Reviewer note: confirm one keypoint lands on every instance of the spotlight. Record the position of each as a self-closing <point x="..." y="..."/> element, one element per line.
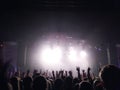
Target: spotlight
<point x="51" y="55"/>
<point x="46" y="54"/>
<point x="83" y="54"/>
<point x="72" y="54"/>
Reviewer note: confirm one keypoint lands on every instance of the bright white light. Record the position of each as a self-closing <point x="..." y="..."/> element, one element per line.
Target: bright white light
<point x="72" y="54"/>
<point x="51" y="55"/>
<point x="46" y="54"/>
<point x="54" y="57"/>
<point x="83" y="54"/>
<point x="57" y="53"/>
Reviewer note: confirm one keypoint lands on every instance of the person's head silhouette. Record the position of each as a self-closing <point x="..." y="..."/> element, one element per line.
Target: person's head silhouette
<point x="110" y="75"/>
<point x="39" y="83"/>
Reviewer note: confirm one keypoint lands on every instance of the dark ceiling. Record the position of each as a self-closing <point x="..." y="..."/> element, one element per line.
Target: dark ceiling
<point x="86" y="19"/>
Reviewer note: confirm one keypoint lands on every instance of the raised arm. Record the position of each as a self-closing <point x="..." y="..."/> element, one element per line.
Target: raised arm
<point x="70" y="74"/>
<point x="78" y="71"/>
<point x="53" y="74"/>
<point x="89" y="75"/>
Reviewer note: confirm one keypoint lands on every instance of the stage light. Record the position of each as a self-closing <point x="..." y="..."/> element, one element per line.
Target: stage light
<point x="51" y="55"/>
<point x="55" y="56"/>
<point x="46" y="54"/>
<point x="83" y="54"/>
<point x="57" y="53"/>
<point x="72" y="53"/>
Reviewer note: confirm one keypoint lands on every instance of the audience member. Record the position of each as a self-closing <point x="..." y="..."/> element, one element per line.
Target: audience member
<point x="39" y="83"/>
<point x="110" y="75"/>
<point x="109" y="79"/>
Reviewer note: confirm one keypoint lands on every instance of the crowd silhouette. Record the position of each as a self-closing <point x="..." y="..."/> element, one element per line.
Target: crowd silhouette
<point x="108" y="78"/>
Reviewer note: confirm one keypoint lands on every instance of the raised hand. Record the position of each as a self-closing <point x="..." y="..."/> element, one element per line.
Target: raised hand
<point x="66" y="73"/>
<point x="78" y="69"/>
<point x="83" y="71"/>
<point x="53" y="72"/>
<point x="88" y="75"/>
<point x="70" y="74"/>
<point x="89" y="68"/>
